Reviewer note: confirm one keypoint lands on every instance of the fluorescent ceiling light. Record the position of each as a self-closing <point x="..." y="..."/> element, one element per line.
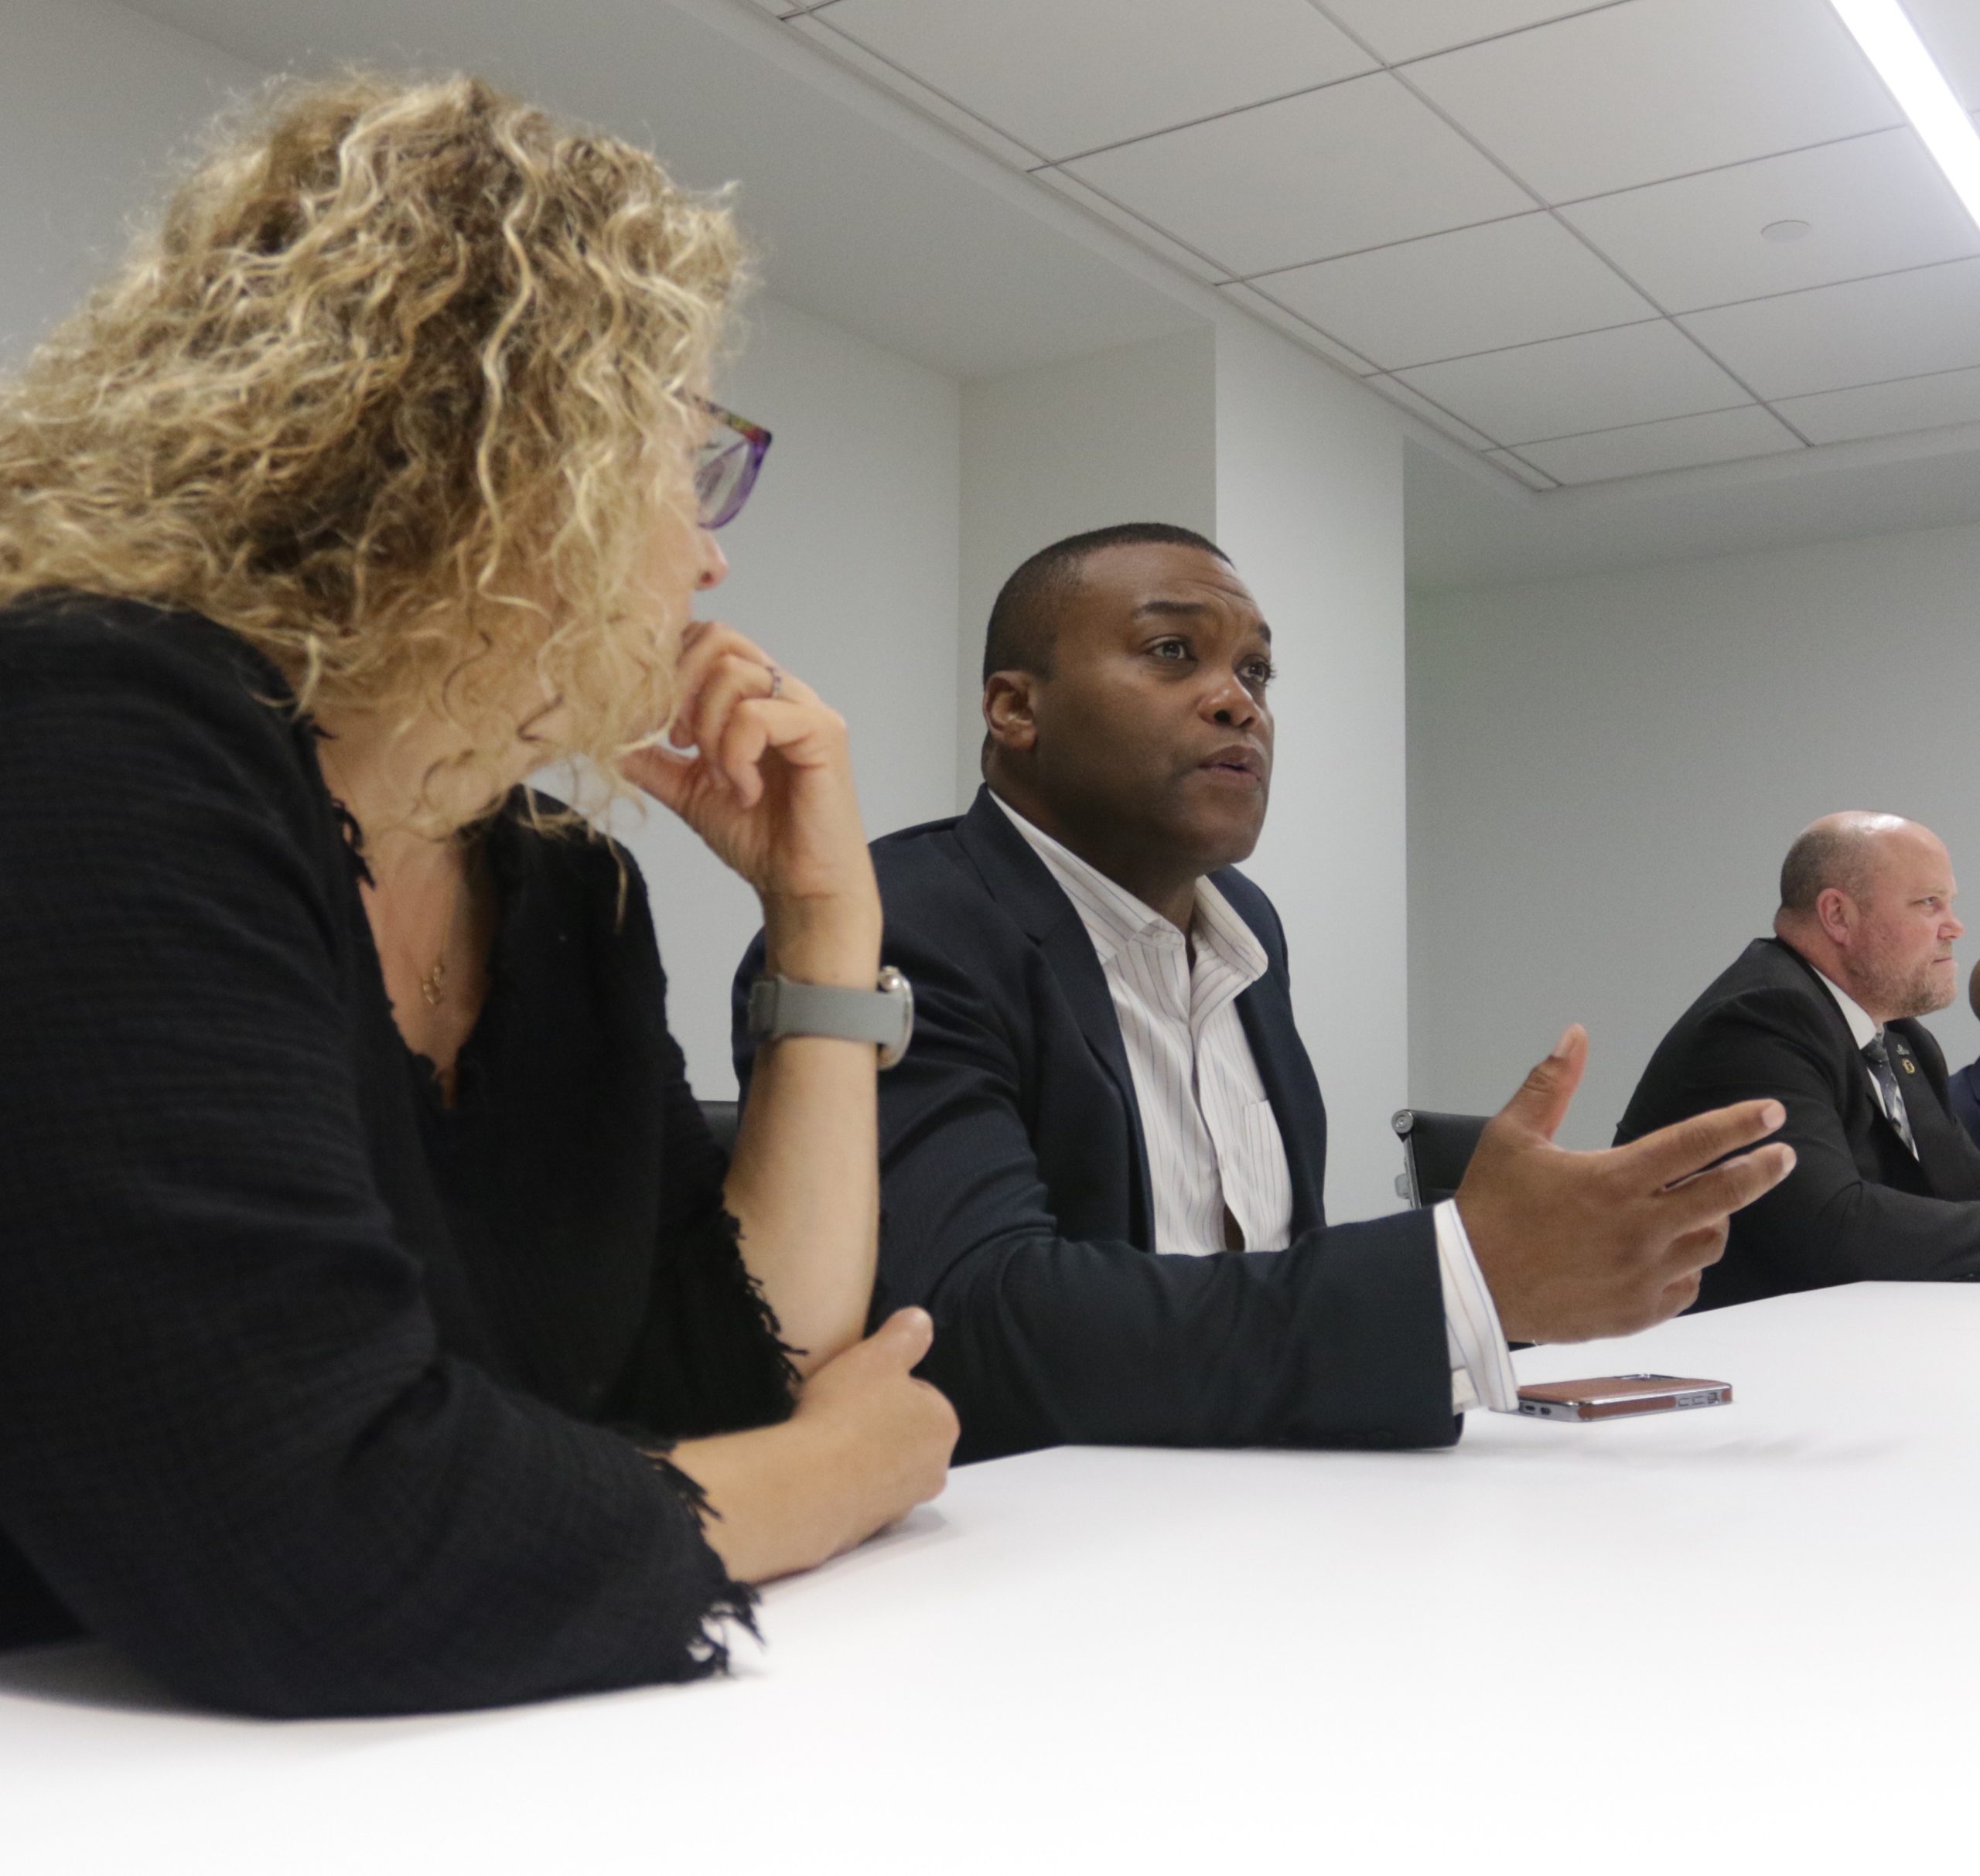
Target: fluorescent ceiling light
<point x="1893" y="45"/>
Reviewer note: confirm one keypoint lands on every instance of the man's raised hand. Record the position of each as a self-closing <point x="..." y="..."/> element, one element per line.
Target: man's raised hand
<point x="1575" y="1246"/>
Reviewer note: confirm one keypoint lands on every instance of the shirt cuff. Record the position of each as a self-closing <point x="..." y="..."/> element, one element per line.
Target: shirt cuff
<point x="1481" y="1365"/>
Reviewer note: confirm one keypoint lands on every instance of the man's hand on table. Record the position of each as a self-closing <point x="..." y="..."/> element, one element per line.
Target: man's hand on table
<point x="1578" y="1245"/>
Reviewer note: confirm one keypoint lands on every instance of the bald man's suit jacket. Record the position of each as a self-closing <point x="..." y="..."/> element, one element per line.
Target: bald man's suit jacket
<point x="1857" y="1204"/>
<point x="1016" y="1207"/>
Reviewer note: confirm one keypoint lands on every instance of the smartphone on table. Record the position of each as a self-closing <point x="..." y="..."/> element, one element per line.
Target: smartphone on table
<point x="1610" y="1396"/>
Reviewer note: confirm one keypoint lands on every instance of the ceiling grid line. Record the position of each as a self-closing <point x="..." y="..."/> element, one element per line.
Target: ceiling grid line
<point x="1509" y="450"/>
<point x="1525" y="192"/>
<point x="1484" y="39"/>
<point x="1676" y="313"/>
<point x="1574" y="436"/>
<point x="1258" y="104"/>
<point x="1424" y="397"/>
<point x="1743" y="162"/>
<point x="954" y="103"/>
<point x="1209" y="116"/>
<point x="1376" y="247"/>
<point x="1540" y="206"/>
<point x="1560" y="221"/>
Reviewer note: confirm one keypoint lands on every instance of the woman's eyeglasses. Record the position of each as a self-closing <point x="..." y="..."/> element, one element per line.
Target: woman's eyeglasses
<point x="726" y="470"/>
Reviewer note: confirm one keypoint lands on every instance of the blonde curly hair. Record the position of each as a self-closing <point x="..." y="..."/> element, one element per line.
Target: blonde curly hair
<point x="399" y="389"/>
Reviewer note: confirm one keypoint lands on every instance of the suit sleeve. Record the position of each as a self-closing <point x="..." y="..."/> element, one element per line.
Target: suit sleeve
<point x="228" y="1441"/>
<point x="1825" y="1223"/>
<point x="1042" y="1340"/>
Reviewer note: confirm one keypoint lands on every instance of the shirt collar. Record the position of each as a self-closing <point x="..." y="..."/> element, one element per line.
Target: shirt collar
<point x="1864" y="1029"/>
<point x="1114" y="918"/>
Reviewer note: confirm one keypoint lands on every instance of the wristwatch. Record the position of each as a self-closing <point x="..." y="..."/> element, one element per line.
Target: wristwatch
<point x="883" y="1015"/>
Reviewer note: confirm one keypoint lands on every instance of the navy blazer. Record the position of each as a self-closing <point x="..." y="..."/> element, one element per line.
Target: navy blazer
<point x="1963" y="1097"/>
<point x="1858" y="1204"/>
<point x="1016" y="1206"/>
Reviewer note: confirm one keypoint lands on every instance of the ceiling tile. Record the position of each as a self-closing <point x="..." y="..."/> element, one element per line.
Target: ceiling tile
<point x="1592" y="381"/>
<point x="1064" y="75"/>
<point x="1951" y="29"/>
<point x="1063" y="182"/>
<point x="1863" y="332"/>
<point x="817" y="28"/>
<point x="1678" y="442"/>
<point x="1520" y="471"/>
<point x="1659" y="88"/>
<point x="1886" y="410"/>
<point x="1353" y="166"/>
<point x="1400" y="30"/>
<point x="1873" y="205"/>
<point x="1294" y="327"/>
<point x="1505" y="283"/>
<point x="1417" y="405"/>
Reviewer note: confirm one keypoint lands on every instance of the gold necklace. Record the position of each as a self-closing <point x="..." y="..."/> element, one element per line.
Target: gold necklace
<point x="433" y="983"/>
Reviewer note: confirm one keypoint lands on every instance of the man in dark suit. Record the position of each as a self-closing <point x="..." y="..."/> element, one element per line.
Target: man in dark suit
<point x="1963" y="1089"/>
<point x="1822" y="1017"/>
<point x="1104" y="1068"/>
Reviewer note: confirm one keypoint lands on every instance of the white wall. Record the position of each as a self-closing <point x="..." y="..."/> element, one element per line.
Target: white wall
<point x="1604" y="773"/>
<point x="844" y="562"/>
<point x="844" y="569"/>
<point x="893" y="504"/>
<point x="1123" y="434"/>
<point x="95" y="102"/>
<point x="1309" y="506"/>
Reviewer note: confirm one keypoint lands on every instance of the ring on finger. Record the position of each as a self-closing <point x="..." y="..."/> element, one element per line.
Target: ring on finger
<point x="776" y="681"/>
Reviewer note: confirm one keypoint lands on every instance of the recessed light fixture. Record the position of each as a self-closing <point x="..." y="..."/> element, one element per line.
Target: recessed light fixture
<point x="1892" y="44"/>
<point x="1784" y="230"/>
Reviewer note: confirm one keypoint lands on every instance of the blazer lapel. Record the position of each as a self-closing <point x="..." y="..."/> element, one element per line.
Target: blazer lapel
<point x="1862" y="1092"/>
<point x="1947" y="1164"/>
<point x="1946" y="1156"/>
<point x="1021" y="884"/>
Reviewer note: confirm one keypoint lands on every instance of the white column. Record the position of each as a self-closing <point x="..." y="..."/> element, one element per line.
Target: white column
<point x="1309" y="509"/>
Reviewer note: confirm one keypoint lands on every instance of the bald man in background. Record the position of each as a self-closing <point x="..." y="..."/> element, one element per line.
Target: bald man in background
<point x="1822" y="1017"/>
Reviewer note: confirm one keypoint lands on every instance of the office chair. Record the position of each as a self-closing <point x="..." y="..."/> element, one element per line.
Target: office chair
<point x="720" y="1117"/>
<point x="1437" y="1148"/>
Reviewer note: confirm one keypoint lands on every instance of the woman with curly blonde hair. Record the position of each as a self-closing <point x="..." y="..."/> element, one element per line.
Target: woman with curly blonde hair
<point x="381" y="1327"/>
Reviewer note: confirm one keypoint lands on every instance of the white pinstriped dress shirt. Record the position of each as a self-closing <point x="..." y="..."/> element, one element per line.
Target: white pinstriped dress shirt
<point x="1211" y="1137"/>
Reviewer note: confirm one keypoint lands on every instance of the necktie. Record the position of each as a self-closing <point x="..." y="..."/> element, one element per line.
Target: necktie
<point x="1878" y="1057"/>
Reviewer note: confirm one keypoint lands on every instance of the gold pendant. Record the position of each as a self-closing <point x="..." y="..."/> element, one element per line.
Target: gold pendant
<point x="432" y="984"/>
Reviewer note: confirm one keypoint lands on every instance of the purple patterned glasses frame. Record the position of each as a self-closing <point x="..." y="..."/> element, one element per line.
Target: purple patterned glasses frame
<point x="726" y="468"/>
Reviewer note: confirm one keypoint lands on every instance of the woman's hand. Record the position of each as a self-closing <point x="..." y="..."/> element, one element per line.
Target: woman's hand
<point x="769" y="788"/>
<point x="867" y="1443"/>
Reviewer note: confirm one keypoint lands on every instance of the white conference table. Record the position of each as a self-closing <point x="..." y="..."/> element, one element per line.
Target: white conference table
<point x="1742" y="1636"/>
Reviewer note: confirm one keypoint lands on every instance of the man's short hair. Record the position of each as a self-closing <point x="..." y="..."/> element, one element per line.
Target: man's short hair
<point x="1822" y="857"/>
<point x="1025" y="620"/>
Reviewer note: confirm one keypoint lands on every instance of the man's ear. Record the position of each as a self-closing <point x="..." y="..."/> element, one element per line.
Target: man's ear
<point x="1008" y="700"/>
<point x="1835" y="914"/>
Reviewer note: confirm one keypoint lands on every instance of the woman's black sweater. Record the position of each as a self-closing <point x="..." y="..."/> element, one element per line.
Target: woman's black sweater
<point x="316" y="1395"/>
